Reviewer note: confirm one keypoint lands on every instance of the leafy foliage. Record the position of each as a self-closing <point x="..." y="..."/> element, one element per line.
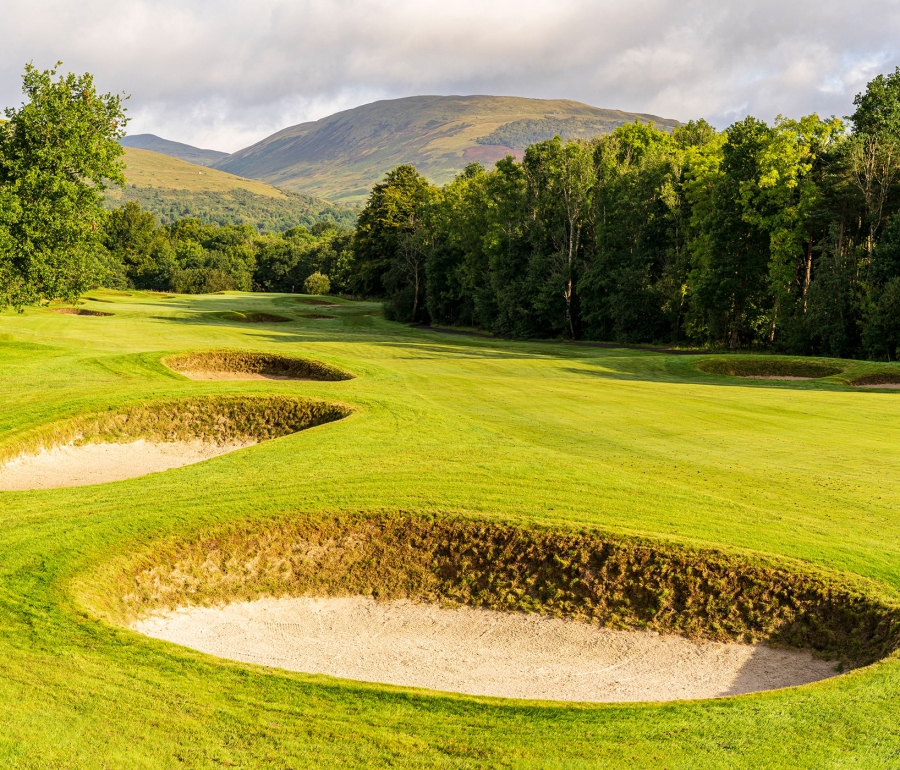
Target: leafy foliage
<point x="190" y="257"/>
<point x="58" y="153"/>
<point x="781" y="237"/>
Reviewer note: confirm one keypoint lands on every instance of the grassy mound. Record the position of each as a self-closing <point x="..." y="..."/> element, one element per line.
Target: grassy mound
<point x="580" y="575"/>
<point x="268" y="364"/>
<point x="767" y="366"/>
<point x="218" y="419"/>
<point x="252" y="317"/>
<point x="78" y="311"/>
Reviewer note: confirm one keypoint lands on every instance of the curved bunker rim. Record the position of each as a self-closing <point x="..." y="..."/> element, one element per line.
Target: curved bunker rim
<point x="584" y="575"/>
<point x="216" y="419"/>
<point x="254" y="364"/>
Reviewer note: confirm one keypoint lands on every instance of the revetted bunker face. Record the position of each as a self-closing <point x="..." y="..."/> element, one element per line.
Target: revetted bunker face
<point x="768" y="367"/>
<point x="584" y="576"/>
<point x="878" y="380"/>
<point x="78" y="311"/>
<point x="264" y="365"/>
<point x="253" y="317"/>
<point x="122" y="444"/>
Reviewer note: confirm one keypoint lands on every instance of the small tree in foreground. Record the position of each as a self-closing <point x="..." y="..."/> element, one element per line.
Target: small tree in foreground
<point x="58" y="153"/>
<point x="317" y="284"/>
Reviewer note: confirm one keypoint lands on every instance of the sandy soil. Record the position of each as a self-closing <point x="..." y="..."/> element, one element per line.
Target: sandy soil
<point x="883" y="386"/>
<point x="479" y="652"/>
<point x="75" y="466"/>
<point x="233" y="376"/>
<point x="772" y="377"/>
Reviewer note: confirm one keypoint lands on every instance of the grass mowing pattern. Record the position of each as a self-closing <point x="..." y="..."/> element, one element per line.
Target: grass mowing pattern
<point x="768" y="366"/>
<point x="217" y="419"/>
<point x="615" y="582"/>
<point x="803" y="474"/>
<point x="248" y="362"/>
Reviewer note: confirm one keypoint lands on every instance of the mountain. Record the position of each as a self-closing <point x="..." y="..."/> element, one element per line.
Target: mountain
<point x="173" y="189"/>
<point x="175" y="149"/>
<point x="340" y="157"/>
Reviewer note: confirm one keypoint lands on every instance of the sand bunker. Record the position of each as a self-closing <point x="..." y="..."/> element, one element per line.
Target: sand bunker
<point x="76" y="466"/>
<point x="480" y="652"/>
<point x="248" y="365"/>
<point x="78" y="311"/>
<point x="772" y="377"/>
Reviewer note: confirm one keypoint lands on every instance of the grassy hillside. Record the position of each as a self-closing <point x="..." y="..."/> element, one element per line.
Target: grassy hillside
<point x="175" y="149"/>
<point x="173" y="189"/>
<point x="340" y="157"/>
<point x="630" y="444"/>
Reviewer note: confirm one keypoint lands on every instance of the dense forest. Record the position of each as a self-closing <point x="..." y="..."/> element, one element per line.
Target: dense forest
<point x="190" y="257"/>
<point x="783" y="236"/>
<point x="236" y="207"/>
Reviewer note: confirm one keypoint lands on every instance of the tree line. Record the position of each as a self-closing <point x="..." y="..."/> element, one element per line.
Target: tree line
<point x="190" y="257"/>
<point x="782" y="236"/>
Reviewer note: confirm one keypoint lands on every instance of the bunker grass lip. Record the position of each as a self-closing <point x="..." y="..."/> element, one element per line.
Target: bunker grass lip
<point x="202" y="426"/>
<point x="247" y="362"/>
<point x="615" y="582"/>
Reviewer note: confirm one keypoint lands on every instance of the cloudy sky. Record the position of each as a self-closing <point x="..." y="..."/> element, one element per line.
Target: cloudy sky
<point x="224" y="73"/>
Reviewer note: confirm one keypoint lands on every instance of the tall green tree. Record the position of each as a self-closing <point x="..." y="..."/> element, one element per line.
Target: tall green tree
<point x="58" y="153"/>
<point x="387" y="232"/>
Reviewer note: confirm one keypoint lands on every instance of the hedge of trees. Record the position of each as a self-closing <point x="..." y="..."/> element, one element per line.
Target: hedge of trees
<point x="190" y="257"/>
<point x="783" y="236"/>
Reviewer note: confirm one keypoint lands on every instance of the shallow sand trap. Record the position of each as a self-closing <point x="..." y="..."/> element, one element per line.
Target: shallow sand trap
<point x="480" y="652"/>
<point x="75" y="466"/>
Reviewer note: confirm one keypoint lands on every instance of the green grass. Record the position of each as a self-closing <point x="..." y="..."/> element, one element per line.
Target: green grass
<point x="627" y="443"/>
<point x="173" y="189"/>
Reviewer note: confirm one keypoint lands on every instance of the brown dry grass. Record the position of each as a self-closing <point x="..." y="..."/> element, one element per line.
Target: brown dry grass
<point x="268" y="364"/>
<point x="217" y="419"/>
<point x="583" y="575"/>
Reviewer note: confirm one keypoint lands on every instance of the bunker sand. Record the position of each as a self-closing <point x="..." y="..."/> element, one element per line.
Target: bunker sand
<point x="75" y="466"/>
<point x="479" y="652"/>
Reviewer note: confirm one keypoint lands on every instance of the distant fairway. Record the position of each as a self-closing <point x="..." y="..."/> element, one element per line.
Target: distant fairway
<point x="800" y="474"/>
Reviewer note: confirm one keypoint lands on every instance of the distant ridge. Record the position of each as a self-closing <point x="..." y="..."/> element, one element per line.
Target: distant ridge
<point x="172" y="189"/>
<point x="175" y="149"/>
<point x="342" y="156"/>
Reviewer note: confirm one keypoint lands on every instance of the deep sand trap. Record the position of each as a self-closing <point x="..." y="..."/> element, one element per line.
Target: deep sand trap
<point x="773" y="377"/>
<point x="75" y="466"/>
<point x="480" y="652"/>
<point x="234" y="376"/>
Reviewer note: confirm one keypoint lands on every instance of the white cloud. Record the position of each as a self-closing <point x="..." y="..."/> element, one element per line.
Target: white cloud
<point x="223" y="73"/>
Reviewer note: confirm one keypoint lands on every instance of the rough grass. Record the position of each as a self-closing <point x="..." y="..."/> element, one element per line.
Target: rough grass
<point x="617" y="582"/>
<point x="245" y="361"/>
<point x="878" y="378"/>
<point x="567" y="439"/>
<point x="768" y="366"/>
<point x="217" y="419"/>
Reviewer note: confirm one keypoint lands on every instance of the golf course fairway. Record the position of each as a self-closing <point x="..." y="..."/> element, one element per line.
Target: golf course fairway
<point x="423" y="437"/>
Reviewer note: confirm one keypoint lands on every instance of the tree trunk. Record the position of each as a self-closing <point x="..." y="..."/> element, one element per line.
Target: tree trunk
<point x="808" y="271"/>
